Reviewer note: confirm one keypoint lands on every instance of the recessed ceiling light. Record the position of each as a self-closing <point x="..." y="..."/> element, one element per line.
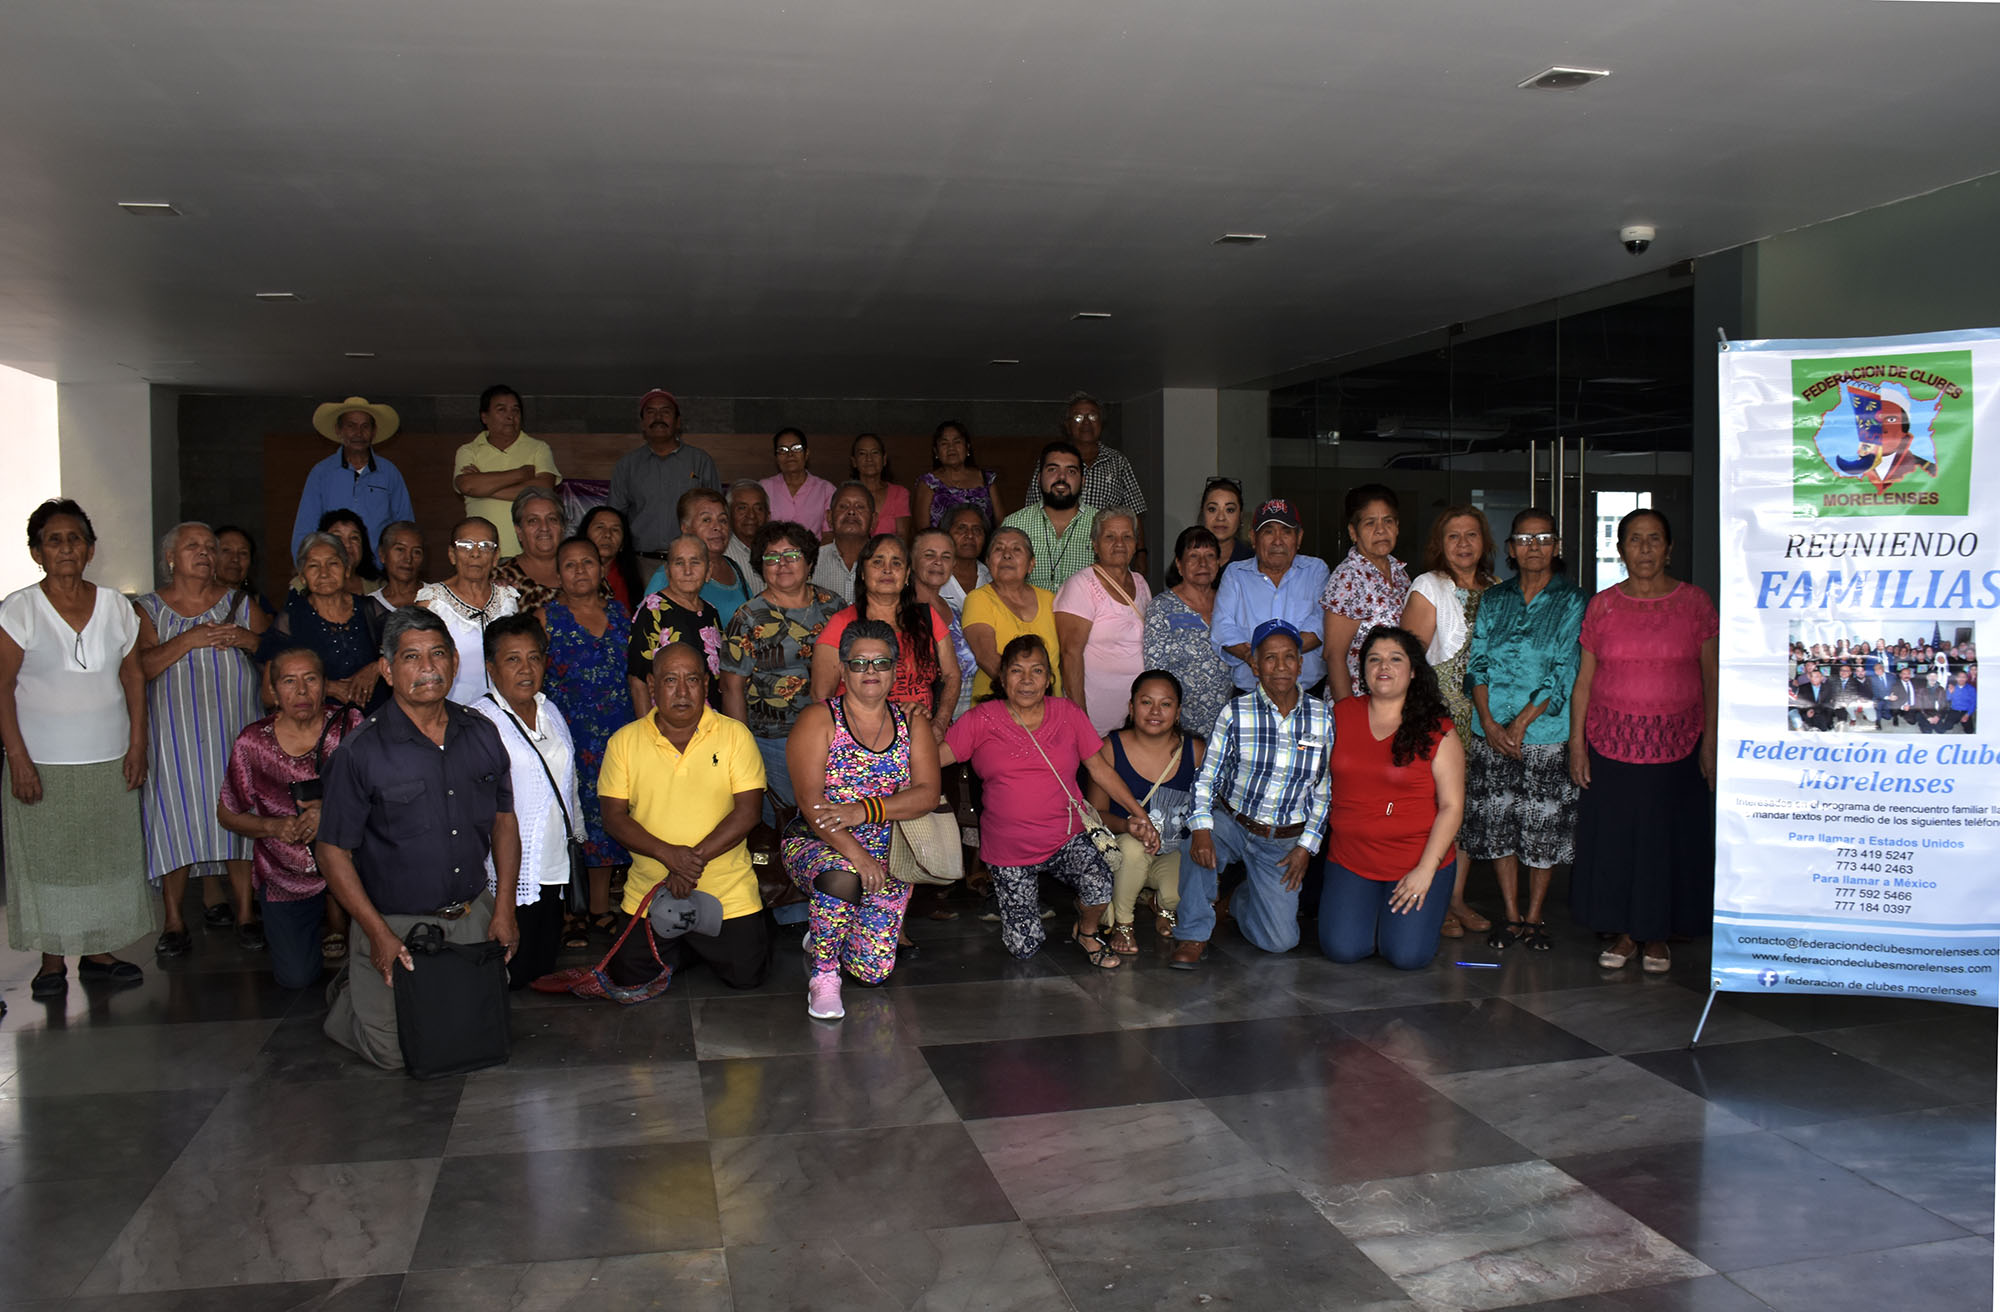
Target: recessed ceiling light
<point x="278" y="296"/>
<point x="360" y="355"/>
<point x="1091" y="314"/>
<point x="1003" y="362"/>
<point x="1560" y="78"/>
<point x="149" y="209"/>
<point x="1239" y="239"/>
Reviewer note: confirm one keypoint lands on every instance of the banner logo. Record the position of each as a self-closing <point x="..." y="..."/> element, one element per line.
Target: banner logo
<point x="1882" y="435"/>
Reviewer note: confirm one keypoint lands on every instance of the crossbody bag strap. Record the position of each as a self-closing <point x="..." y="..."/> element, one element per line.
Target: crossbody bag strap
<point x="568" y="831"/>
<point x="1075" y="807"/>
<point x="1172" y="765"/>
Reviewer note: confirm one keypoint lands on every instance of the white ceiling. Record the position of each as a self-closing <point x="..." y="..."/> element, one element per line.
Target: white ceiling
<point x="876" y="197"/>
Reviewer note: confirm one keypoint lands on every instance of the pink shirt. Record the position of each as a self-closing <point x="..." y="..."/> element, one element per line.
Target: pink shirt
<point x="1114" y="654"/>
<point x="1645" y="696"/>
<point x="1027" y="805"/>
<point x="895" y="506"/>
<point x="808" y="507"/>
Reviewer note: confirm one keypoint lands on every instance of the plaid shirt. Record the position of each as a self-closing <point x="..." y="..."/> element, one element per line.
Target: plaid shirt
<point x="1268" y="767"/>
<point x="1108" y="481"/>
<point x="1057" y="555"/>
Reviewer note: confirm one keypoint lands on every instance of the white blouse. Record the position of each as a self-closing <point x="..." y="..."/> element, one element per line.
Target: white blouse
<point x="1441" y="591"/>
<point x="544" y="840"/>
<point x="468" y="633"/>
<point x="67" y="696"/>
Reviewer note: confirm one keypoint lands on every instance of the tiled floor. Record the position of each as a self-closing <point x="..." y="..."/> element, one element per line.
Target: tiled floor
<point x="1269" y="1133"/>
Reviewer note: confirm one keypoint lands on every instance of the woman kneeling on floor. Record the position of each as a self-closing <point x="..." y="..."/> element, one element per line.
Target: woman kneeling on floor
<point x="1157" y="759"/>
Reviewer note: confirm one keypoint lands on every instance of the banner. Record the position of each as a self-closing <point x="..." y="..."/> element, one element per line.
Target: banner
<point x="1857" y="783"/>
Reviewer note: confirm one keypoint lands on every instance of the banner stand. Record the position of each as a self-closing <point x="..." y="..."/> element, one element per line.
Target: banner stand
<point x="1714" y="987"/>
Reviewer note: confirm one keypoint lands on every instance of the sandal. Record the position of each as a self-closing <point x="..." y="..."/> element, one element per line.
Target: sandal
<point x="333" y="947"/>
<point x="1507" y="933"/>
<point x="1124" y="942"/>
<point x="1535" y="935"/>
<point x="1451" y="928"/>
<point x="1095" y="950"/>
<point x="576" y="932"/>
<point x="1164" y="922"/>
<point x="604" y="925"/>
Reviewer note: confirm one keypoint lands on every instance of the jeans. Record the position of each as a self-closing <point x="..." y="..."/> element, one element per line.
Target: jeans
<point x="1355" y="919"/>
<point x="1266" y="911"/>
<point x="777" y="779"/>
<point x="291" y="934"/>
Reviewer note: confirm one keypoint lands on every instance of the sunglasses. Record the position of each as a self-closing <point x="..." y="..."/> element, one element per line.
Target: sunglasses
<point x="870" y="664"/>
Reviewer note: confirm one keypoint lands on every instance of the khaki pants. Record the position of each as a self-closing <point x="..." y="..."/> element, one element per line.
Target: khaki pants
<point x="1137" y="871"/>
<point x="361" y="1011"/>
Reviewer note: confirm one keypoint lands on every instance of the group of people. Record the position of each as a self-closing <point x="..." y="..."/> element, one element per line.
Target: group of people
<point x="1925" y="686"/>
<point x="495" y="749"/>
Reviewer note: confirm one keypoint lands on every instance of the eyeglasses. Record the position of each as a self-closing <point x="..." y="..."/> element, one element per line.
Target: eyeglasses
<point x="1089" y="418"/>
<point x="463" y="545"/>
<point x="76" y="654"/>
<point x="783" y="557"/>
<point x="870" y="664"/>
<point x="788" y="450"/>
<point x="1532" y="539"/>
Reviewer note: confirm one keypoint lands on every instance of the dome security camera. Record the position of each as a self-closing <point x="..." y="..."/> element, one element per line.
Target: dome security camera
<point x="1637" y="238"/>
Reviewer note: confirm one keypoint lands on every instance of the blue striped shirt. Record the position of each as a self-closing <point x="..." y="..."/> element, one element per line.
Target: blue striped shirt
<point x="1268" y="767"/>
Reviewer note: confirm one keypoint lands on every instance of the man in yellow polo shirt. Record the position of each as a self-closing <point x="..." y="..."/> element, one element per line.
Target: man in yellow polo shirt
<point x="490" y="469"/>
<point x="681" y="789"/>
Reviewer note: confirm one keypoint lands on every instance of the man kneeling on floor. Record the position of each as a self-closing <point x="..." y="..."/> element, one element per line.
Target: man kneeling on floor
<point x="681" y="790"/>
<point x="414" y="801"/>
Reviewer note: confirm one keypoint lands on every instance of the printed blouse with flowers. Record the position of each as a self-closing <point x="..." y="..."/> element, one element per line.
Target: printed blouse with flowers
<point x="1359" y="591"/>
<point x="770" y="647"/>
<point x="661" y="622"/>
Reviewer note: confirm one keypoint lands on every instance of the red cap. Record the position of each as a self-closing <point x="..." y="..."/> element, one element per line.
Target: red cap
<point x="647" y="399"/>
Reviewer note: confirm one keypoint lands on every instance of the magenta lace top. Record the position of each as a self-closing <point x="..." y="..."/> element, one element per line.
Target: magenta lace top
<point x="1645" y="697"/>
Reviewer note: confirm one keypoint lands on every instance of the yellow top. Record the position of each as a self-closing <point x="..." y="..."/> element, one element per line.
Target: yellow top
<point x="983" y="606"/>
<point x="483" y="456"/>
<point x="681" y="798"/>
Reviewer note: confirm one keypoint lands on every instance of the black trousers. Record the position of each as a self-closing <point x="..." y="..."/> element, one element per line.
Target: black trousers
<point x="739" y="953"/>
<point x="541" y="923"/>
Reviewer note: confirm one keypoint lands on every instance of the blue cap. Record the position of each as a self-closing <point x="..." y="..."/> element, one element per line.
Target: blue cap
<point x="1269" y="627"/>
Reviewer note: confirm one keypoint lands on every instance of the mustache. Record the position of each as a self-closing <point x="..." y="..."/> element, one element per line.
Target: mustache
<point x="426" y="679"/>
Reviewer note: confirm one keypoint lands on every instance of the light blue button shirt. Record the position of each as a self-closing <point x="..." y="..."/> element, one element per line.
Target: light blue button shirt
<point x="1246" y="597"/>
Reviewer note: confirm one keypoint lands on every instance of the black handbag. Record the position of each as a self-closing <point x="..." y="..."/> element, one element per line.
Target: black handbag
<point x="451" y="1009"/>
<point x="576" y="893"/>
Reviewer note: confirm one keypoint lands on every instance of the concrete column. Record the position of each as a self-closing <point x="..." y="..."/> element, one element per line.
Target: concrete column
<point x="105" y="431"/>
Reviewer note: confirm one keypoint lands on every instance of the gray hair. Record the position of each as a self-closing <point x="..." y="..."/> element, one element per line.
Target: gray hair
<point x="747" y="485"/>
<point x="529" y="495"/>
<point x="679" y="538"/>
<point x="394" y="527"/>
<point x="867" y="631"/>
<point x="1002" y="530"/>
<point x="171" y="539"/>
<point x="412" y="619"/>
<point x="863" y="489"/>
<point x="1125" y="513"/>
<point x="311" y="540"/>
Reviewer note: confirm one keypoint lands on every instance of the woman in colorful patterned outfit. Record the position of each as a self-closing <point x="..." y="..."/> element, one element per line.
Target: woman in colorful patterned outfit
<point x="955" y="479"/>
<point x="588" y="637"/>
<point x="676" y="613"/>
<point x="1642" y="747"/>
<point x="1158" y="760"/>
<point x="195" y="642"/>
<point x="1443" y="606"/>
<point x="1366" y="589"/>
<point x="538" y="526"/>
<point x="856" y="767"/>
<point x="1177" y="635"/>
<point x="926" y="666"/>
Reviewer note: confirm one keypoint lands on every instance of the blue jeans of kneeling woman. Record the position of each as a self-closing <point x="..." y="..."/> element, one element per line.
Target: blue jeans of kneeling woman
<point x="1355" y="919"/>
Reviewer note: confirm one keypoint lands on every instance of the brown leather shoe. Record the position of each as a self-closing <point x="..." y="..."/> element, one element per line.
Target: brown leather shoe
<point x="1187" y="955"/>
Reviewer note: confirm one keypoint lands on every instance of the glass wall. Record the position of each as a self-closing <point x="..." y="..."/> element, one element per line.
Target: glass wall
<point x="1585" y="411"/>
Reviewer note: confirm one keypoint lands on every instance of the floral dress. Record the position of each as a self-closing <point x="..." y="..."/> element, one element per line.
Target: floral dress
<point x="1357" y="590"/>
<point x="661" y="621"/>
<point x="946" y="499"/>
<point x="771" y="648"/>
<point x="1177" y="638"/>
<point x="586" y="681"/>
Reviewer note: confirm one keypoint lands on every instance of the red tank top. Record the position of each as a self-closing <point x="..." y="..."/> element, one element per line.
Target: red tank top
<point x="1382" y="812"/>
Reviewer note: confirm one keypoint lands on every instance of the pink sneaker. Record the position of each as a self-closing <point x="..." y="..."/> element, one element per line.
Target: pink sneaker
<point x="823" y="996"/>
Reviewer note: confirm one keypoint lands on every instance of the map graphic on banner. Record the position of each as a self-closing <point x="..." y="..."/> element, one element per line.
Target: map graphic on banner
<point x="1857" y="790"/>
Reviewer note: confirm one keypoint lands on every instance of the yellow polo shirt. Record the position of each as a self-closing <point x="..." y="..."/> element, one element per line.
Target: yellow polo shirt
<point x="681" y="798"/>
<point x="483" y="456"/>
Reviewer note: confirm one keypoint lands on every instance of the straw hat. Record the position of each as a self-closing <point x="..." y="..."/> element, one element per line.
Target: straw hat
<point x="326" y="419"/>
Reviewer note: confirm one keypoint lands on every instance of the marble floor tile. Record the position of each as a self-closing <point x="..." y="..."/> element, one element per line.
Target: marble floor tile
<point x="1138" y="999"/>
<point x="550" y="1206"/>
<point x="1755" y="1200"/>
<point x="1573" y="965"/>
<point x="1563" y="1108"/>
<point x="1371" y="1131"/>
<point x="334" y="1121"/>
<point x="1360" y="986"/>
<point x="1703" y="1294"/>
<point x="1475" y="1035"/>
<point x="504" y="1110"/>
<point x="748" y="1097"/>
<point x="759" y="1025"/>
<point x="162" y="998"/>
<point x="355" y="1294"/>
<point x="1952" y="1054"/>
<point x="1269" y="1250"/>
<point x="1106" y="1158"/>
<point x="52" y="1232"/>
<point x="1790" y="1081"/>
<point x="1250" y="1056"/>
<point x="971" y="959"/>
<point x="1807" y="1013"/>
<point x="1941" y="1158"/>
<point x="602" y="1034"/>
<point x="852" y="1183"/>
<point x="206" y="1227"/>
<point x="1952" y="1273"/>
<point x="691" y="1281"/>
<point x="1495" y="1236"/>
<point x="1650" y="1015"/>
<point x="66" y="1136"/>
<point x="124" y="1059"/>
<point x="1011" y="1009"/>
<point x="298" y="1051"/>
<point x="994" y="1268"/>
<point x="1055" y="1073"/>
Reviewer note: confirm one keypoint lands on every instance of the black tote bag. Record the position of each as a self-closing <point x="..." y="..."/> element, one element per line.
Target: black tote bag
<point x="451" y="1010"/>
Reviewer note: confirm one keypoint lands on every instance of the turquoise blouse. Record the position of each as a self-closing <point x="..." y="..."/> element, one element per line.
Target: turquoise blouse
<point x="1526" y="652"/>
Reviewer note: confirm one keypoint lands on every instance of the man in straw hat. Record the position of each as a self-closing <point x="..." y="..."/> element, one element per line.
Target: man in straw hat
<point x="354" y="477"/>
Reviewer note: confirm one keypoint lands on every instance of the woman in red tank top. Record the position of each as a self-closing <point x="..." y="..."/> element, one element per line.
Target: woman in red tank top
<point x="1398" y="795"/>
